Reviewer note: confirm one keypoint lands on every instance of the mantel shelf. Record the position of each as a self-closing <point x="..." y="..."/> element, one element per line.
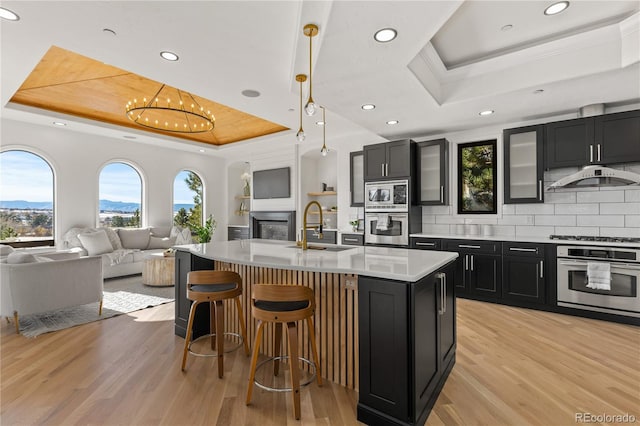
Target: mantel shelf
<point x="315" y="194"/>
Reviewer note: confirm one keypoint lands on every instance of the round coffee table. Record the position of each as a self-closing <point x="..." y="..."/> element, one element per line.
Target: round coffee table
<point x="158" y="270"/>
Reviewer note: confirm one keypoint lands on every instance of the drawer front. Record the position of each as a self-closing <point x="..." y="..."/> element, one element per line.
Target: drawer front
<point x="474" y="246"/>
<point x="328" y="237"/>
<point x="426" y="243"/>
<point x="237" y="233"/>
<point x="352" y="239"/>
<point x="522" y="249"/>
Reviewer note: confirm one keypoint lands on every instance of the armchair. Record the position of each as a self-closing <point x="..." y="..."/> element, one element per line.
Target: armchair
<point x="67" y="280"/>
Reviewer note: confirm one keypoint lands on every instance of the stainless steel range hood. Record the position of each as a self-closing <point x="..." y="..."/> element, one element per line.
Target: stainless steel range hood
<point x="597" y="176"/>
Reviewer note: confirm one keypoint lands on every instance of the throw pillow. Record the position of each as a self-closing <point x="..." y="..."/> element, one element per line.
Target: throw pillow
<point x="135" y="238"/>
<point x="161" y="243"/>
<point x="70" y="238"/>
<point x="96" y="243"/>
<point x="161" y="231"/>
<point x="114" y="239"/>
<point x="20" y="257"/>
<point x="184" y="237"/>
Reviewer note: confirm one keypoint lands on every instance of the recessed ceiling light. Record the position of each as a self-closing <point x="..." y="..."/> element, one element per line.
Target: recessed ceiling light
<point x="129" y="137"/>
<point x="486" y="112"/>
<point x="368" y="107"/>
<point x="58" y="123"/>
<point x="538" y="91"/>
<point x="506" y="27"/>
<point x="392" y="122"/>
<point x="556" y="8"/>
<point x="109" y="31"/>
<point x="201" y="150"/>
<point x="320" y="123"/>
<point x="169" y="56"/>
<point x="8" y="15"/>
<point x="249" y="93"/>
<point x="291" y="110"/>
<point x="385" y="35"/>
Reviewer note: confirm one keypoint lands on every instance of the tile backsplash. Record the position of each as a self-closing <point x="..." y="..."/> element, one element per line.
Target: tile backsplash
<point x="599" y="211"/>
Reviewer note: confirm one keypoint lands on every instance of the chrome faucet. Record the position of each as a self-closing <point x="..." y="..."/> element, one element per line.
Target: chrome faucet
<point x="311" y="226"/>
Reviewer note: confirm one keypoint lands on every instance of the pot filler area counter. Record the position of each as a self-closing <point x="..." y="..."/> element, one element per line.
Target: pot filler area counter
<point x="384" y="319"/>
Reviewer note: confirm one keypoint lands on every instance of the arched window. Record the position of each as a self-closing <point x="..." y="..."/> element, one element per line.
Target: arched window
<point x="26" y="199"/>
<point x="187" y="199"/>
<point x="120" y="196"/>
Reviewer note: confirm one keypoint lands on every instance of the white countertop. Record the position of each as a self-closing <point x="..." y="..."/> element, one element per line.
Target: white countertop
<point x="545" y="240"/>
<point x="381" y="262"/>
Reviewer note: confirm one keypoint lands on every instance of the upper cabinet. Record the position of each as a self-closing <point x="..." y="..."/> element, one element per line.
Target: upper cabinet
<point x="356" y="178"/>
<point x="523" y="168"/>
<point x="604" y="139"/>
<point x="388" y="160"/>
<point x="433" y="172"/>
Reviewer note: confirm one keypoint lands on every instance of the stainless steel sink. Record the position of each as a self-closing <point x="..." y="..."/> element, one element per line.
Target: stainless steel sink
<point x="326" y="248"/>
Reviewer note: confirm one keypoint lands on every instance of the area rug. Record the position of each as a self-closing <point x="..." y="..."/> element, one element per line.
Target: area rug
<point x="121" y="296"/>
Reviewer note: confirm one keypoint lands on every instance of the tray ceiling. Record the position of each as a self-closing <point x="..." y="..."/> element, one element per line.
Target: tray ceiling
<point x="69" y="83"/>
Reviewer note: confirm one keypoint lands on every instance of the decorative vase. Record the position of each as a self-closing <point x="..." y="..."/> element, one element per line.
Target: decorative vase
<point x="247" y="189"/>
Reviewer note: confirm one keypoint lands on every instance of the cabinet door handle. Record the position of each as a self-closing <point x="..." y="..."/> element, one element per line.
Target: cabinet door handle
<point x="591" y="153"/>
<point x="472" y="256"/>
<point x="466" y="262"/>
<point x="598" y="152"/>
<point x="386" y="169"/>
<point x="530" y="250"/>
<point x="444" y="293"/>
<point x="354" y="240"/>
<point x="426" y="244"/>
<point x="540" y="190"/>
<point x="468" y="246"/>
<point x="382" y="169"/>
<point x="542" y="269"/>
<point x="442" y="193"/>
<point x="441" y="277"/>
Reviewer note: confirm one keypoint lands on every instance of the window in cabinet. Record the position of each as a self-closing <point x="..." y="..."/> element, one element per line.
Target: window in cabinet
<point x="523" y="165"/>
<point x="477" y="177"/>
<point x="433" y="164"/>
<point x="357" y="179"/>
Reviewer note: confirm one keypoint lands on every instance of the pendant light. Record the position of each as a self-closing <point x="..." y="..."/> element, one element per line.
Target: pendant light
<point x="324" y="149"/>
<point x="310" y="30"/>
<point x="300" y="78"/>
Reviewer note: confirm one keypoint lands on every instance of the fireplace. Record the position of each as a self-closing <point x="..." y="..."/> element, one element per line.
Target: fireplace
<point x="273" y="225"/>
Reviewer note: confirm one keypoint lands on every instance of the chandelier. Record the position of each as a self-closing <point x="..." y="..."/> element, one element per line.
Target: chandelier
<point x="171" y="110"/>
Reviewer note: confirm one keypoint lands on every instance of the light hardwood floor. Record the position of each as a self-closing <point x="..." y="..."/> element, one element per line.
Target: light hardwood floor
<point x="514" y="367"/>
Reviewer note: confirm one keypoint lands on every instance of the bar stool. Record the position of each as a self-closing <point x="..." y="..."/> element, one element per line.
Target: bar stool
<point x="214" y="287"/>
<point x="280" y="304"/>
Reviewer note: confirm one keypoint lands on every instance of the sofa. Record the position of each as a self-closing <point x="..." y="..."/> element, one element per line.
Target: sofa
<point x="33" y="284"/>
<point x="123" y="250"/>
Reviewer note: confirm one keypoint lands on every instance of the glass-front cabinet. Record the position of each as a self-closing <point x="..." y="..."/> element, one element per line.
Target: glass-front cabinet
<point x="357" y="179"/>
<point x="523" y="168"/>
<point x="433" y="165"/>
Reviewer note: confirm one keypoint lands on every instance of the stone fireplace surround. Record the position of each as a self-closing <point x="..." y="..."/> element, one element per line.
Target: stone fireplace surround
<point x="276" y="225"/>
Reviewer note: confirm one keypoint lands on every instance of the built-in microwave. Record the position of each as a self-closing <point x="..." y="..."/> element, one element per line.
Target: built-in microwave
<point x="386" y="196"/>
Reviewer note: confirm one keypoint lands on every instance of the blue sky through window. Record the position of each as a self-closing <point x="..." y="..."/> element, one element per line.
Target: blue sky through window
<point x="120" y="182"/>
<point x="25" y="176"/>
<point x="181" y="192"/>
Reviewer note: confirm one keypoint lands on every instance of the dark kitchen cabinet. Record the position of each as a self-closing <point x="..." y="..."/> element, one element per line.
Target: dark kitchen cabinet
<point x="356" y="178"/>
<point x="523" y="165"/>
<point x="433" y="172"/>
<point x="185" y="263"/>
<point x="423" y="243"/>
<point x="605" y="139"/>
<point x="407" y="342"/>
<point x="618" y="137"/>
<point x="478" y="270"/>
<point x="388" y="160"/>
<point x="352" y="239"/>
<point x="524" y="272"/>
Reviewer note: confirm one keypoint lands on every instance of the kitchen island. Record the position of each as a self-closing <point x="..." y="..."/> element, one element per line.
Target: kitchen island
<point x="385" y="317"/>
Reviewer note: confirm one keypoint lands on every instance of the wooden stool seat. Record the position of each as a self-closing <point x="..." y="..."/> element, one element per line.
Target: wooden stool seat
<point x="283" y="304"/>
<point x="214" y="287"/>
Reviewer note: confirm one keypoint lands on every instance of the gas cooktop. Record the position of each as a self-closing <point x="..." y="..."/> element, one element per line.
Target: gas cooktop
<point x="597" y="239"/>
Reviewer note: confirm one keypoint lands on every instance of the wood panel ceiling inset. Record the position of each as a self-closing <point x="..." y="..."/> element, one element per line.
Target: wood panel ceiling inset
<point x="69" y="83"/>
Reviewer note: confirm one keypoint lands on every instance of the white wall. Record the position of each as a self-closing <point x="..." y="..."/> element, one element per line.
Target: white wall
<point x="78" y="158"/>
